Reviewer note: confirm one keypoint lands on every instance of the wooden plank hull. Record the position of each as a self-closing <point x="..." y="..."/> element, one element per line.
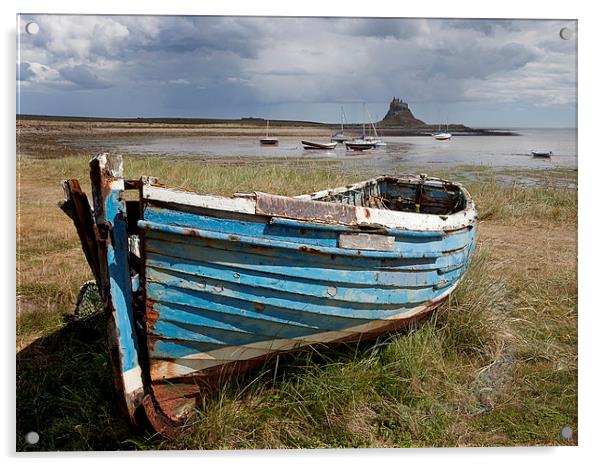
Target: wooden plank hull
<point x="228" y="282"/>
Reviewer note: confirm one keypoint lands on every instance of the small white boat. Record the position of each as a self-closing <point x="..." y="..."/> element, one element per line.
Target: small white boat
<point x="542" y="153"/>
<point x="376" y="138"/>
<point x="318" y="145"/>
<point x="365" y="142"/>
<point x="340" y="136"/>
<point x="442" y="135"/>
<point x="268" y="140"/>
<point x="376" y="141"/>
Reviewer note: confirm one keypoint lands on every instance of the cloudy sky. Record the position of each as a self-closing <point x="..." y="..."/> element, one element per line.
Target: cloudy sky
<point x="478" y="72"/>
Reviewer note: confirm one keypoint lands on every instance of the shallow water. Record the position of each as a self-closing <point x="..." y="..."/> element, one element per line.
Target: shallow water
<point x="493" y="151"/>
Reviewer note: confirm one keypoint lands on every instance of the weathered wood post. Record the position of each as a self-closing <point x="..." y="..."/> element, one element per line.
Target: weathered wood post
<point x="106" y="173"/>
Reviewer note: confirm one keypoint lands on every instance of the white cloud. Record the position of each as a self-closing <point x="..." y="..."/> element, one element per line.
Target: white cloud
<point x="38" y="73"/>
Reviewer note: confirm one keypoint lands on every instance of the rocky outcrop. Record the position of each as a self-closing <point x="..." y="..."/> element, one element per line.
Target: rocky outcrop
<point x="400" y="115"/>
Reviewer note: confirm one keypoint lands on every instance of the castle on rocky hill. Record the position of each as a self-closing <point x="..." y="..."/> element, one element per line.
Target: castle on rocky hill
<point x="399" y="114"/>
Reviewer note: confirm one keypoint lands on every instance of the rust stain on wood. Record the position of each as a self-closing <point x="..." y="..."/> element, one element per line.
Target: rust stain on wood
<point x="288" y="207"/>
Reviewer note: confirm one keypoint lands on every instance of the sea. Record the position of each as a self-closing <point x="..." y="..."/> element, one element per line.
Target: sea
<point x="415" y="152"/>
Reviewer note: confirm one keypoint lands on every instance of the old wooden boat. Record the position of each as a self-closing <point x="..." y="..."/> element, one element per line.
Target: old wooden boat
<point x="197" y="287"/>
<point x="318" y="145"/>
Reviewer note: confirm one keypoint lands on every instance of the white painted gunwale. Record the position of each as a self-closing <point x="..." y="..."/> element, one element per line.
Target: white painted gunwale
<point x="246" y="204"/>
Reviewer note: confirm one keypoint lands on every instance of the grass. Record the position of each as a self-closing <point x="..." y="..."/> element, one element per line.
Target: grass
<point x="519" y="204"/>
<point x="497" y="365"/>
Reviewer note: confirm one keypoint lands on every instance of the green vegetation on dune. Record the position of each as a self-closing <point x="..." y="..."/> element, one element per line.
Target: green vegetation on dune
<point x="497" y="365"/>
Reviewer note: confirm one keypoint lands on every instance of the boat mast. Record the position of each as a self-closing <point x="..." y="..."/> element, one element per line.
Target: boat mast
<point x="341" y="119"/>
<point x="364" y="122"/>
<point x="372" y="124"/>
<point x="267" y="128"/>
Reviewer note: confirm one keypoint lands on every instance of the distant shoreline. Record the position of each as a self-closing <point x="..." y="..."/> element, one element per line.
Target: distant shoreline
<point x="426" y="130"/>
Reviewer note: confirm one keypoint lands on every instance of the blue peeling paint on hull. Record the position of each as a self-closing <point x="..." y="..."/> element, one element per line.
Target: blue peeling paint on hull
<point x="218" y="300"/>
<point x="198" y="286"/>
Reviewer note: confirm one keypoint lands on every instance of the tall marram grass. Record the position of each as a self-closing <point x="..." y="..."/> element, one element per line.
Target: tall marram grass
<point x="523" y="204"/>
<point x="496" y="365"/>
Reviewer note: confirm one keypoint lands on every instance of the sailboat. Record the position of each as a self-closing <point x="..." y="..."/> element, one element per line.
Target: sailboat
<point x="361" y="143"/>
<point x="442" y="136"/>
<point x="375" y="139"/>
<point x="268" y="140"/>
<point x="339" y="136"/>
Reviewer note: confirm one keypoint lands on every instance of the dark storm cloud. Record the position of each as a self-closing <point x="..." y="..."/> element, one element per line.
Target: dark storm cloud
<point x="378" y="27"/>
<point x="288" y="72"/>
<point x="83" y="78"/>
<point x="487" y="27"/>
<point x="474" y="61"/>
<point x="211" y="35"/>
<point x="219" y="65"/>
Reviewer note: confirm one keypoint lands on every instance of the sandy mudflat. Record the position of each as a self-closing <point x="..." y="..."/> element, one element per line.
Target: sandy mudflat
<point x="50" y="138"/>
<point x="79" y="128"/>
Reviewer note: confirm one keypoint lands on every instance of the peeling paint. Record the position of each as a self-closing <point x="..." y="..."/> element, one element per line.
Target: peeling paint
<point x="198" y="287"/>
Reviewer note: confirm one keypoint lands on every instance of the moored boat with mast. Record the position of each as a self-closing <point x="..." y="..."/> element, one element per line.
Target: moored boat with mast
<point x="268" y="140"/>
<point x="363" y="142"/>
<point x="340" y="135"/>
<point x="442" y="135"/>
